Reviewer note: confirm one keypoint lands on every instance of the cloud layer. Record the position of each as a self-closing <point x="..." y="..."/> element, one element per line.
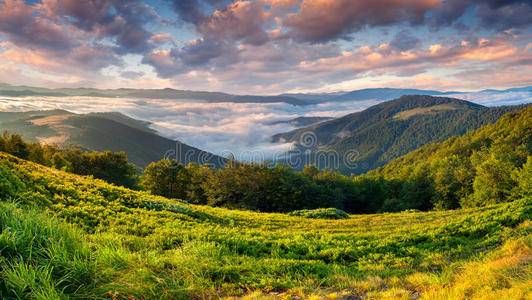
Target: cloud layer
<point x="224" y="128"/>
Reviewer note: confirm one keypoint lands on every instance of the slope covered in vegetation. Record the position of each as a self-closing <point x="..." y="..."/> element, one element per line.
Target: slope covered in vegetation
<point x="101" y="132"/>
<point x="490" y="165"/>
<point x="389" y="130"/>
<point x="132" y="244"/>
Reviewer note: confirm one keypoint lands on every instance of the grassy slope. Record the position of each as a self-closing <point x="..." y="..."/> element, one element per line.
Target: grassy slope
<point x="135" y="244"/>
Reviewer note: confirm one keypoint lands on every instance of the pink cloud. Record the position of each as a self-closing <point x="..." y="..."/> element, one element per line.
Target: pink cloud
<point x="324" y="20"/>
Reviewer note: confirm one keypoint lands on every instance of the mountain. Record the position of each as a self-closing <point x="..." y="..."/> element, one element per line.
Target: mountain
<point x="366" y="94"/>
<point x="302" y="121"/>
<point x="314" y="97"/>
<point x="385" y="94"/>
<point x="100" y="132"/>
<point x="297" y="99"/>
<point x="521" y="89"/>
<point x="379" y="134"/>
<point x="167" y="93"/>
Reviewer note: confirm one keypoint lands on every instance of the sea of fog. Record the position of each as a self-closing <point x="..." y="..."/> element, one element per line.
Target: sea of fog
<point x="223" y="128"/>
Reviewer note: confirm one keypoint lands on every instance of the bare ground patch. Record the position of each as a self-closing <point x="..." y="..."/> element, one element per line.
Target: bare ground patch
<point x="55" y="123"/>
<point x="425" y="110"/>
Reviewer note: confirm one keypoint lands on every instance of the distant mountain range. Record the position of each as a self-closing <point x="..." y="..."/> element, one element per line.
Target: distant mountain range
<point x="100" y="132"/>
<point x="386" y="131"/>
<point x="387" y="94"/>
<point x="24" y="91"/>
<point x="293" y="99"/>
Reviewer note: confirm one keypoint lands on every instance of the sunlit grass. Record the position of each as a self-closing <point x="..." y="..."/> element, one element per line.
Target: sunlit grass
<point x="132" y="244"/>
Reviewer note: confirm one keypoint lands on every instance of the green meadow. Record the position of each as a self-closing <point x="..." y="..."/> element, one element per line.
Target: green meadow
<point x="64" y="236"/>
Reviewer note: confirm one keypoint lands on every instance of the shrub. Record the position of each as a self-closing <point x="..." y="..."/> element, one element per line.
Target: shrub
<point x="321" y="213"/>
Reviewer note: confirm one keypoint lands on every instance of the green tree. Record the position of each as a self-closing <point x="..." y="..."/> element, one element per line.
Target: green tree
<point x="167" y="178"/>
<point x="59" y="162"/>
<point x="447" y="185"/>
<point x="15" y="145"/>
<point x="200" y="176"/>
<point x="523" y="177"/>
<point x="493" y="182"/>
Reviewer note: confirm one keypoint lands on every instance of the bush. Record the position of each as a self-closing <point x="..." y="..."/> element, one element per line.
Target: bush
<point x="321" y="213"/>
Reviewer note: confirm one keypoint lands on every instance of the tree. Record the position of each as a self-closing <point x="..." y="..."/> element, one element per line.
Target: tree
<point x="447" y="186"/>
<point x="493" y="182"/>
<point x="110" y="166"/>
<point x="418" y="190"/>
<point x="198" y="176"/>
<point x="59" y="162"/>
<point x="167" y="178"/>
<point x="372" y="190"/>
<point x="523" y="177"/>
<point x="15" y="145"/>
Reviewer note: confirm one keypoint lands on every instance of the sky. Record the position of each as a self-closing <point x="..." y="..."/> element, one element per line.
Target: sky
<point x="267" y="46"/>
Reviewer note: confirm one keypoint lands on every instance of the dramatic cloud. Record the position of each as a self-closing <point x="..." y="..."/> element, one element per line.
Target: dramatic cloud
<point x="268" y="46"/>
<point x="21" y="26"/>
<point x="238" y="21"/>
<point x="72" y="36"/>
<point x="493" y="14"/>
<point x="122" y="20"/>
<point x="404" y="40"/>
<point x="513" y="14"/>
<point x="323" y="20"/>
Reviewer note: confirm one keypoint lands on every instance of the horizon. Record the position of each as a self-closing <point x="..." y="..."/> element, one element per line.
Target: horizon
<point x="277" y="94"/>
<point x="267" y="47"/>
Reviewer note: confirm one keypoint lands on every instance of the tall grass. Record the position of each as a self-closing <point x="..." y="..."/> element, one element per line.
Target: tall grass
<point x="40" y="257"/>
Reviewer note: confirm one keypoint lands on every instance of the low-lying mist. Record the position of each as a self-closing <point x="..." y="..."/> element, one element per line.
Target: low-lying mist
<point x="223" y="128"/>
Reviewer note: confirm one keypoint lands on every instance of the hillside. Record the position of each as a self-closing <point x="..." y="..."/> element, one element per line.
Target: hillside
<point x="391" y="129"/>
<point x="479" y="168"/>
<point x="70" y="236"/>
<point x="100" y="132"/>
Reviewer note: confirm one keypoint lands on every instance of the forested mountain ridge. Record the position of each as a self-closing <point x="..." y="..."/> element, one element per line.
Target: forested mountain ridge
<point x="490" y="165"/>
<point x="391" y="129"/>
<point x="102" y="132"/>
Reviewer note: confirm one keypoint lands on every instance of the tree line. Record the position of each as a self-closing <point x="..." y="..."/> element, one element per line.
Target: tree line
<point x="110" y="166"/>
